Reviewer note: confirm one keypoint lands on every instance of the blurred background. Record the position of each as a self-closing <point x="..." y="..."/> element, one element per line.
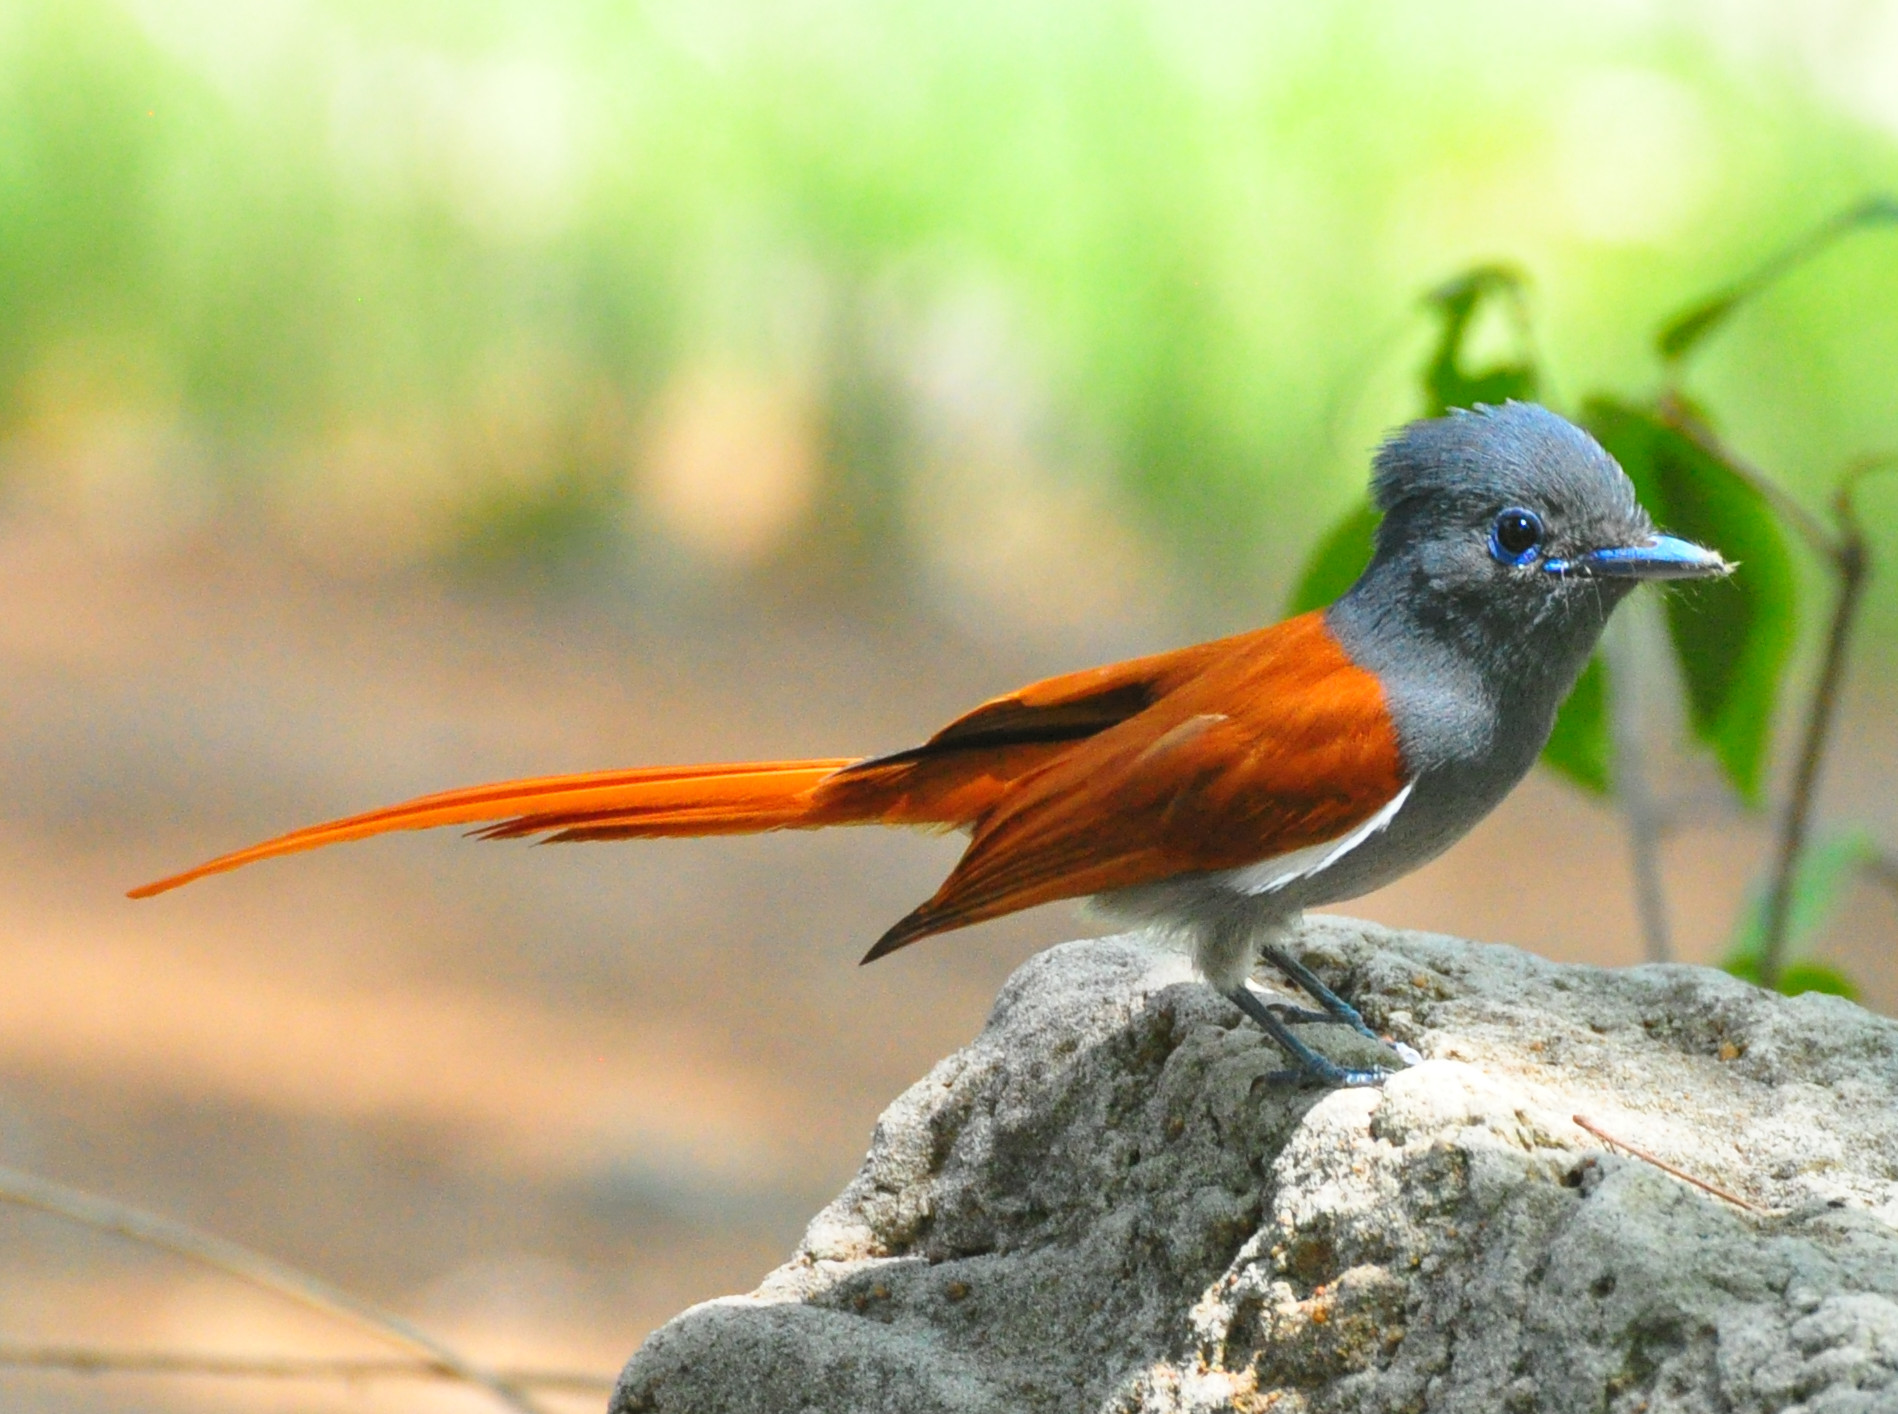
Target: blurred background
<point x="399" y="395"/>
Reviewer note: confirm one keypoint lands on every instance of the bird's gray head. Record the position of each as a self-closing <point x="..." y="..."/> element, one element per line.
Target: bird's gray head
<point x="1510" y="534"/>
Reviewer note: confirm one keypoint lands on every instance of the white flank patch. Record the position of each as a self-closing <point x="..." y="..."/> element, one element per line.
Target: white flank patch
<point x="1268" y="876"/>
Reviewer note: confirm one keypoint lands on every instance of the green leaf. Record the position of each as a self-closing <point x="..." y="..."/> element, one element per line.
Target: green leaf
<point x="1826" y="871"/>
<point x="1337" y="561"/>
<point x="1734" y="636"/>
<point x="1683" y="333"/>
<point x="1816" y="977"/>
<point x="1579" y="747"/>
<point x="1680" y="335"/>
<point x="1446" y="382"/>
<point x="1797" y="977"/>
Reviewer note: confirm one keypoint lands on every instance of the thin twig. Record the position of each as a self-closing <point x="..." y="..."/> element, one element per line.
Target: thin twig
<point x="1796" y="824"/>
<point x="1851" y="562"/>
<point x="1664" y="1166"/>
<point x="103" y="1214"/>
<point x="94" y="1360"/>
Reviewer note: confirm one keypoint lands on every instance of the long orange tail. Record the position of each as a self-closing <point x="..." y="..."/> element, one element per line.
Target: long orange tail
<point x="952" y="780"/>
<point x="741" y="798"/>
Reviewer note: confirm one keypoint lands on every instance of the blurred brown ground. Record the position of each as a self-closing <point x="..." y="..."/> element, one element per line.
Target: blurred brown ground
<point x="537" y="1100"/>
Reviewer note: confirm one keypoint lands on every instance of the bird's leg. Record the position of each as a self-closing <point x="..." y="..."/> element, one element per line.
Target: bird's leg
<point x="1336" y="1007"/>
<point x="1312" y="1068"/>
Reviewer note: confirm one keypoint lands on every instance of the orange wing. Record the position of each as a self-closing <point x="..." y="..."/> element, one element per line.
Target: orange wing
<point x="967" y="769"/>
<point x="1279" y="741"/>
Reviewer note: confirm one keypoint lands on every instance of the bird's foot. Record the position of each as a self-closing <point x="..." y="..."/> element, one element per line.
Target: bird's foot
<point x="1336" y="1007"/>
<point x="1312" y="1068"/>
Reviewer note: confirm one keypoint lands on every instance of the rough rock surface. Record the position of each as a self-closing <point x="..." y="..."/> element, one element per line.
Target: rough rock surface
<point x="1101" y="1204"/>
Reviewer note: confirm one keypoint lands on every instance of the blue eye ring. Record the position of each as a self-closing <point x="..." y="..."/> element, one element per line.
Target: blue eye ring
<point x="1515" y="537"/>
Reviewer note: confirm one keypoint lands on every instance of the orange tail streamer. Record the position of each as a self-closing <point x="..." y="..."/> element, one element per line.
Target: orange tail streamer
<point x="731" y="799"/>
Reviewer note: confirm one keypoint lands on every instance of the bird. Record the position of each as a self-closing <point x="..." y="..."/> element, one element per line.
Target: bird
<point x="1214" y="791"/>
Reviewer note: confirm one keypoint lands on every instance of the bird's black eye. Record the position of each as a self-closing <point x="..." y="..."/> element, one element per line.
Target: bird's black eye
<point x="1515" y="536"/>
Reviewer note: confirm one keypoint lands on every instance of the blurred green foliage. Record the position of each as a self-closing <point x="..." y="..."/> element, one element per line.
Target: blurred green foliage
<point x="277" y="229"/>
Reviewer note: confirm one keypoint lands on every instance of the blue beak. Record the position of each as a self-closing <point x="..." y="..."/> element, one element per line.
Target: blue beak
<point x="1663" y="557"/>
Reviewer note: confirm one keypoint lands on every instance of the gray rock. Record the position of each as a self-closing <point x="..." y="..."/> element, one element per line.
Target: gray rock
<point x="1102" y="1204"/>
